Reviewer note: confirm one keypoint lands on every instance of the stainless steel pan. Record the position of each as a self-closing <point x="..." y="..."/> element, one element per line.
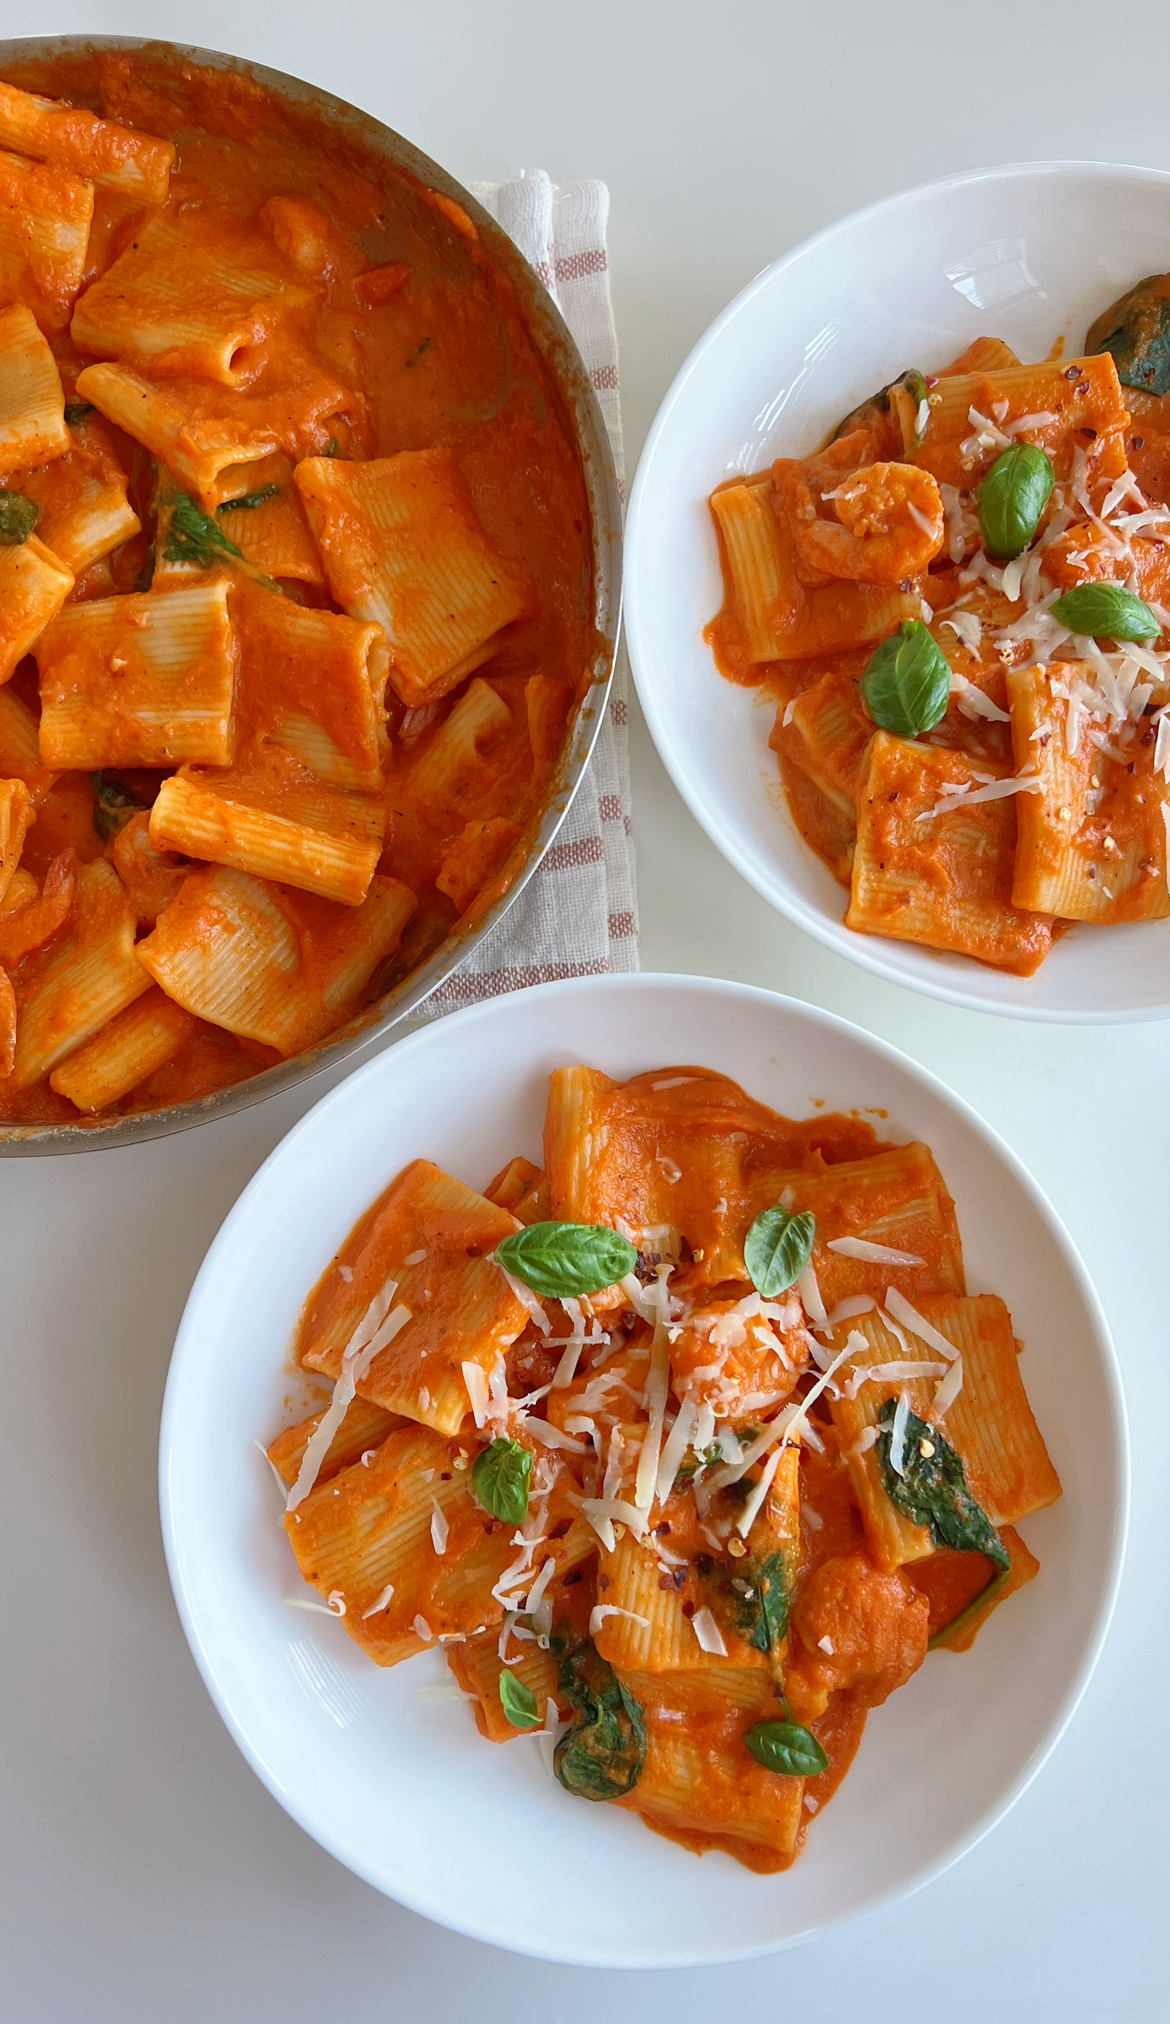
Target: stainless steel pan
<point x="369" y="1031"/>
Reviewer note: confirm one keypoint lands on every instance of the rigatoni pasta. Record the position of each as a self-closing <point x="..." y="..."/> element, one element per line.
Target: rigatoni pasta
<point x="990" y="763"/>
<point x="688" y="1496"/>
<point x="285" y="679"/>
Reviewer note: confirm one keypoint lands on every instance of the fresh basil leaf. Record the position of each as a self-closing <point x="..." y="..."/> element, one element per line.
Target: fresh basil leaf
<point x="932" y="1489"/>
<point x="786" y="1748"/>
<point x="193" y="537"/>
<point x="500" y="1477"/>
<point x="1136" y="331"/>
<point x="18" y="517"/>
<point x="76" y="411"/>
<point x="1012" y="499"/>
<point x="249" y="500"/>
<point x="749" y="1597"/>
<point x="1104" y="611"/>
<point x="966" y="1617"/>
<point x="907" y="682"/>
<point x="777" y="1248"/>
<point x="563" y="1261"/>
<point x="518" y="1702"/>
<point x="332" y="448"/>
<point x="603" y="1752"/>
<point x="112" y="806"/>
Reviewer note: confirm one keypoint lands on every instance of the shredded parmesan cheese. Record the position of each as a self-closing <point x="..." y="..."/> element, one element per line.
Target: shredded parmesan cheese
<point x="380" y="1602"/>
<point x="918" y="1325"/>
<point x="375" y="1329"/>
<point x="992" y="790"/>
<point x="948" y="1391"/>
<point x="898" y="1438"/>
<point x="872" y="1254"/>
<point x="708" y="1633"/>
<point x="810" y="1294"/>
<point x="601" y="1610"/>
<point x="748" y="1515"/>
<point x="477" y="1391"/>
<point x="527" y="1299"/>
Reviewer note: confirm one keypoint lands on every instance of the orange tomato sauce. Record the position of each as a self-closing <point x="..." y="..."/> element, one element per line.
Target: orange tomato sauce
<point x="433" y="349"/>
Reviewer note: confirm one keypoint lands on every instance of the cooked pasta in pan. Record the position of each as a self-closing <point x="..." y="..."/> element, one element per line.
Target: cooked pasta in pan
<point x="961" y="604"/>
<point x="295" y="582"/>
<point x="685" y="1448"/>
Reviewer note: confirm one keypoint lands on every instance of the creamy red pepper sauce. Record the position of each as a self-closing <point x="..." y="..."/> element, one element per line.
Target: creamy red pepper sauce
<point x="437" y="353"/>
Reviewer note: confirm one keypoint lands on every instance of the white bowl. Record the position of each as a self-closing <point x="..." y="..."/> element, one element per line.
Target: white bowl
<point x="399" y="1785"/>
<point x="1028" y="254"/>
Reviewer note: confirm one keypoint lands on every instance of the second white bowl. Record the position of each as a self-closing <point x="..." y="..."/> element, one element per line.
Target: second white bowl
<point x="398" y="1784"/>
<point x="1028" y="254"/>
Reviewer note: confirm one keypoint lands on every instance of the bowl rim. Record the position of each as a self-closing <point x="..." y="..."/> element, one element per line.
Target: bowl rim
<point x="371" y="1027"/>
<point x="449" y="1032"/>
<point x="867" y="951"/>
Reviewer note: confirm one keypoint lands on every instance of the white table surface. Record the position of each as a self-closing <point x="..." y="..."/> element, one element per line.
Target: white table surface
<point x="146" y="1874"/>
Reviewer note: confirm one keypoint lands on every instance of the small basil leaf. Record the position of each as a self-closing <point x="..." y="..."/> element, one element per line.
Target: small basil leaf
<point x="907" y="682"/>
<point x="786" y="1748"/>
<point x="193" y="537"/>
<point x="518" y="1702"/>
<point x="777" y="1248"/>
<point x="602" y="1754"/>
<point x="1012" y="499"/>
<point x="500" y="1477"/>
<point x="112" y="806"/>
<point x="566" y="1260"/>
<point x="932" y="1488"/>
<point x="1104" y="611"/>
<point x="76" y="411"/>
<point x="18" y="517"/>
<point x="1136" y="331"/>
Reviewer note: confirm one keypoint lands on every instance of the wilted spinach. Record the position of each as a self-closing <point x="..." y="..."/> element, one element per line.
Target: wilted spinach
<point x="603" y="1752"/>
<point x="749" y="1598"/>
<point x="932" y="1488"/>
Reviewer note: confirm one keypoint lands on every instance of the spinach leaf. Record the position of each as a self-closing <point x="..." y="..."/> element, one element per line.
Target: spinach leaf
<point x="749" y="1598"/>
<point x="193" y="537"/>
<point x="250" y="499"/>
<point x="932" y="1488"/>
<point x="112" y="806"/>
<point x="966" y="1617"/>
<point x="1105" y="611"/>
<point x="1012" y="499"/>
<point x="566" y="1260"/>
<point x="907" y="682"/>
<point x="1136" y="331"/>
<point x="500" y="1477"/>
<point x="518" y="1702"/>
<point x="777" y="1248"/>
<point x="786" y="1748"/>
<point x="867" y="413"/>
<point x="18" y="517"/>
<point x="603" y="1753"/>
<point x="76" y="411"/>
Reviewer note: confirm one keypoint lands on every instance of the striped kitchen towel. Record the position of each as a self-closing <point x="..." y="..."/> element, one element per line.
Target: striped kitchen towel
<point x="577" y="917"/>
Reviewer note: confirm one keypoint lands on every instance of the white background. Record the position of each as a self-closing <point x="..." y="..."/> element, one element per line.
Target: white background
<point x="146" y="1873"/>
